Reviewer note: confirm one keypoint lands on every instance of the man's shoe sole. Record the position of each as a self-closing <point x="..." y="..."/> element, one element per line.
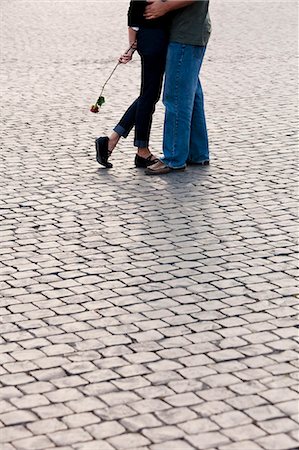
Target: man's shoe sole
<point x="163" y="171"/>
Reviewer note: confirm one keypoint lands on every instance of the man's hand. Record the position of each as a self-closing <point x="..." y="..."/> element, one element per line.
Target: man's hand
<point x="158" y="8"/>
<point x="155" y="9"/>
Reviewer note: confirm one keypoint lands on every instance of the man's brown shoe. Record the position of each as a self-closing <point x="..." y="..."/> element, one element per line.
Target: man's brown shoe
<point x="159" y="168"/>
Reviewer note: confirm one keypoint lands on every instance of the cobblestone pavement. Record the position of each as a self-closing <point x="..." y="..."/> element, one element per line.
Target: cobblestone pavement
<point x="142" y="313"/>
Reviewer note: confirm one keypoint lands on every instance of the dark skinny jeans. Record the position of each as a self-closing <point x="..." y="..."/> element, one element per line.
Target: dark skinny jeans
<point x="152" y="47"/>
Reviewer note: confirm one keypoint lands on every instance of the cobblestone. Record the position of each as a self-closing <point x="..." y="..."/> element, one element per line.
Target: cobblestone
<point x="137" y="313"/>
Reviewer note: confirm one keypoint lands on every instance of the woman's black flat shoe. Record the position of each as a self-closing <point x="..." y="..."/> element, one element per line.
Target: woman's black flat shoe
<point x="103" y="152"/>
<point x="144" y="162"/>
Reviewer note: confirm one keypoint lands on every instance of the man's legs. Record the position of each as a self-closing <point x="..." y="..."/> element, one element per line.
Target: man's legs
<point x="181" y="102"/>
<point x="199" y="144"/>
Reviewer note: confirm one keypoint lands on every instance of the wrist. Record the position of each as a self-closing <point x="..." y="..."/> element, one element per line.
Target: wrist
<point x="166" y="5"/>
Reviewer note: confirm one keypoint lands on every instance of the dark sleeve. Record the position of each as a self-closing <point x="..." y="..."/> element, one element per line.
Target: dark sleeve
<point x="135" y="13"/>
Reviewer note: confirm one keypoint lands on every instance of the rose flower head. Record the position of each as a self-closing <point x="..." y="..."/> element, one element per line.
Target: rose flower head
<point x="100" y="101"/>
<point x="94" y="109"/>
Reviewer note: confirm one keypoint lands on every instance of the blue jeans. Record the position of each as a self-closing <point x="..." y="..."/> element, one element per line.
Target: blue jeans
<point x="185" y="132"/>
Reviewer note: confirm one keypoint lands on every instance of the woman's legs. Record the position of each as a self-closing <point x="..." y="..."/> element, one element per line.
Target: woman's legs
<point x="152" y="77"/>
<point x="152" y="47"/>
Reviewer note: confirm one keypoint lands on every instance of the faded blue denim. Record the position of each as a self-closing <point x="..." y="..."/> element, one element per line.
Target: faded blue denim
<point x="185" y="131"/>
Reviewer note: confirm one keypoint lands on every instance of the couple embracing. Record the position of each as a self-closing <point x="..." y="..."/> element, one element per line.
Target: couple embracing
<point x="170" y="37"/>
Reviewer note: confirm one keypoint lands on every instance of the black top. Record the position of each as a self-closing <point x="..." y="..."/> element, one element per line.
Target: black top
<point x="136" y="18"/>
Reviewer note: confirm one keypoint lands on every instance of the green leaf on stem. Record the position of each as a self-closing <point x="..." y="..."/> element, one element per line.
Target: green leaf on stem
<point x="101" y="101"/>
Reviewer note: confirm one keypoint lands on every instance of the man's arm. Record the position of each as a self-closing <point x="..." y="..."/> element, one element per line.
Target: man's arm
<point x="158" y="8"/>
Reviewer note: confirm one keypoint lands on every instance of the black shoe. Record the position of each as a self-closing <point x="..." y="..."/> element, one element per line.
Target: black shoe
<point x="202" y="163"/>
<point x="144" y="162"/>
<point x="102" y="151"/>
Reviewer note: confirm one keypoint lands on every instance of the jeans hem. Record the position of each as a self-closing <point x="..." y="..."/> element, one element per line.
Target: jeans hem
<point x="121" y="131"/>
<point x="141" y="144"/>
<point x="198" y="162"/>
<point x="172" y="167"/>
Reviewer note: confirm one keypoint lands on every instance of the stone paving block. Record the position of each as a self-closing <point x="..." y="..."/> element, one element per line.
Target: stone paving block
<point x="9" y="392"/>
<point x="252" y="374"/>
<point x="280" y="382"/>
<point x="7" y="447"/>
<point x="176" y="415"/>
<point x="98" y="375"/>
<point x="17" y="417"/>
<point x="278" y="441"/>
<point x="52" y="411"/>
<point x="159" y="391"/>
<point x="276" y="395"/>
<point x="207" y="440"/>
<point x="44" y="362"/>
<point x="244" y="432"/>
<point x="185" y="386"/>
<point x="264" y="412"/>
<point x="47" y="374"/>
<point x="46" y="426"/>
<point x="185" y="399"/>
<point x="248" y="388"/>
<point x="209" y="408"/>
<point x="241" y="403"/>
<point x="12" y="433"/>
<point x="195" y="360"/>
<point x="249" y="445"/>
<point x="230" y="418"/>
<point x="119" y="398"/>
<point x="39" y="387"/>
<point x="27" y="355"/>
<point x="72" y="436"/>
<point x="131" y="370"/>
<point x="94" y="445"/>
<point x="225" y="355"/>
<point x="162" y="434"/>
<point x="105" y="430"/>
<point x="195" y="372"/>
<point x="289" y="407"/>
<point x="281" y="425"/>
<point x="115" y="412"/>
<point x="34" y="443"/>
<point x="85" y="404"/>
<point x="178" y="444"/>
<point x="198" y="426"/>
<point x="16" y="379"/>
<point x="128" y="441"/>
<point x="173" y="353"/>
<point x="64" y="395"/>
<point x="6" y="407"/>
<point x="175" y="342"/>
<point x="97" y="389"/>
<point x="221" y="380"/>
<point x="132" y="383"/>
<point x="164" y="365"/>
<point x="294" y="434"/>
<point x="230" y="366"/>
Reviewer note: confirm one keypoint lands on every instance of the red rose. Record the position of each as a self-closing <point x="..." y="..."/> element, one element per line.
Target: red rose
<point x="94" y="109"/>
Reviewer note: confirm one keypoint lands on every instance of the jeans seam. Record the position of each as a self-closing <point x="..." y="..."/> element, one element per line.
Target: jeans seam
<point x="177" y="96"/>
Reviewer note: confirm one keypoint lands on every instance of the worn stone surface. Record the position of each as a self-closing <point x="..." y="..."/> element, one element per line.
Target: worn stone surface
<point x="141" y="313"/>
